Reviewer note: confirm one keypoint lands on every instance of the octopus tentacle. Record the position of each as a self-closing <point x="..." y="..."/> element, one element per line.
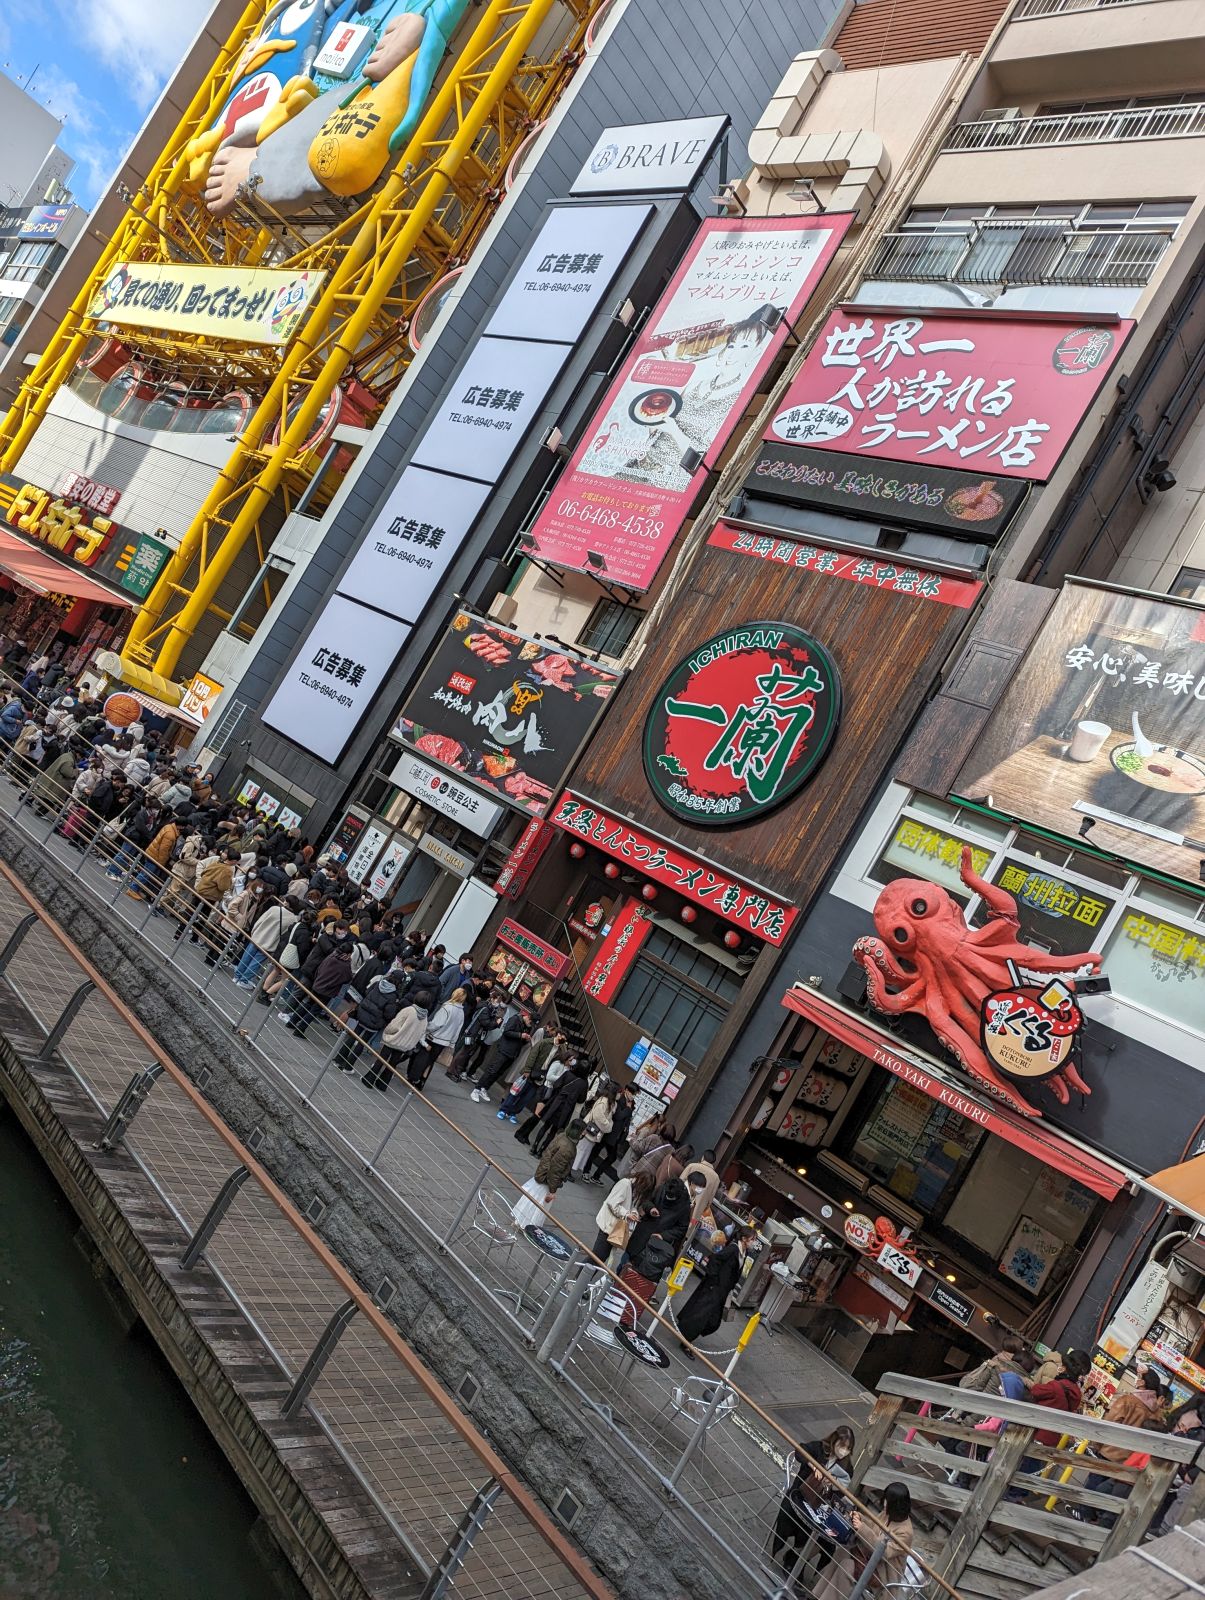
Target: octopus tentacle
<point x="999" y="902"/>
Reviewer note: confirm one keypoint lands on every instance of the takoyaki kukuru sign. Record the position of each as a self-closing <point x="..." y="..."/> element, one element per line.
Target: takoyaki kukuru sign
<point x="741" y="724"/>
<point x="1101" y="734"/>
<point x="506" y="711"/>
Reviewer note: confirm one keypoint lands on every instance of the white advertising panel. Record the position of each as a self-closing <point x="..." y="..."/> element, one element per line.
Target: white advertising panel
<point x="444" y="794"/>
<point x="365" y="853"/>
<point x="569" y="268"/>
<point x="387" y="871"/>
<point x="648" y="156"/>
<point x="334" y="676"/>
<point x="412" y="540"/>
<point x="490" y="407"/>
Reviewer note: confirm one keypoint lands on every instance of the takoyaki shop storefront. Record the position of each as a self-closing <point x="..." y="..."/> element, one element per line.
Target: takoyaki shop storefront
<point x="938" y="1214"/>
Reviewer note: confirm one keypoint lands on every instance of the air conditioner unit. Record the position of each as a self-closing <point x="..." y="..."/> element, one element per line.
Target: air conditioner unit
<point x="1000" y="114"/>
<point x="504" y="609"/>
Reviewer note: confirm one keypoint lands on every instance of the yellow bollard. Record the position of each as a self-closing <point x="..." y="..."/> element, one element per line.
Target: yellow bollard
<point x="1065" y="1475"/>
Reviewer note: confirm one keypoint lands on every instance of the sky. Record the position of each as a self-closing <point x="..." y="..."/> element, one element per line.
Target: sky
<point x="100" y="65"/>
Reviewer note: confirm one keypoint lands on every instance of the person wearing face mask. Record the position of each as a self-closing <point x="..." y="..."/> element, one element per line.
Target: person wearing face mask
<point x="813" y="1507"/>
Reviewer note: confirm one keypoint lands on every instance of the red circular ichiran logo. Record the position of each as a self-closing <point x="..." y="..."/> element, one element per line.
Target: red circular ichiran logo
<point x="741" y="724"/>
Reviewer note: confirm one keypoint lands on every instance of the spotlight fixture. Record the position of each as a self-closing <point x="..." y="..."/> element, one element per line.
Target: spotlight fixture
<point x="1159" y="475"/>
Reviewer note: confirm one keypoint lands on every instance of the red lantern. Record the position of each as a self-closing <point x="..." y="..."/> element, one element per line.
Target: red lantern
<point x="649" y="891"/>
<point x="689" y="914"/>
<point x="732" y="939"/>
<point x="577" y="851"/>
<point x="611" y="869"/>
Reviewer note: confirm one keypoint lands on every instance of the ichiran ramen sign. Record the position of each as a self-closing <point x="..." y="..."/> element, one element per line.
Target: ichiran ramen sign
<point x="741" y="724"/>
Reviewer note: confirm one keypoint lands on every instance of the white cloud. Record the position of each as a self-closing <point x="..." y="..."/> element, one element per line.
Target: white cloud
<point x="87" y="134"/>
<point x="141" y="42"/>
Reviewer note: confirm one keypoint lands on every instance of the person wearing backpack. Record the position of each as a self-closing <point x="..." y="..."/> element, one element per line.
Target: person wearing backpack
<point x="376" y="1005"/>
<point x="401" y="1038"/>
<point x="443" y="1032"/>
<point x="268" y="932"/>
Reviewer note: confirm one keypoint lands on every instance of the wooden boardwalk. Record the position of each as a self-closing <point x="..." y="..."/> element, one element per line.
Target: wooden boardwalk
<point x="374" y="1464"/>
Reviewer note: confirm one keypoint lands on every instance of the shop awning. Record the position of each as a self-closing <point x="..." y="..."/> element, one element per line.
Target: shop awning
<point x="42" y="573"/>
<point x="162" y="709"/>
<point x="1182" y="1185"/>
<point x="932" y="1078"/>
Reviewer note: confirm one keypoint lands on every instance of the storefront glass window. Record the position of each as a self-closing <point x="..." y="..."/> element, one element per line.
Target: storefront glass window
<point x="677" y="994"/>
<point x="1025" y="1217"/>
<point x="919" y="850"/>
<point x="914" y="1146"/>
<point x="1159" y="964"/>
<point x="1056" y="914"/>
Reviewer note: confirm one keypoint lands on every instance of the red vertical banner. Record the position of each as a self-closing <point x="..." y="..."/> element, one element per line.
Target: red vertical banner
<point x="614" y="957"/>
<point x="524" y="858"/>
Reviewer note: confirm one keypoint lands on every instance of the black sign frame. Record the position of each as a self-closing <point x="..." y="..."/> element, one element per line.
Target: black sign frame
<point x="889" y="491"/>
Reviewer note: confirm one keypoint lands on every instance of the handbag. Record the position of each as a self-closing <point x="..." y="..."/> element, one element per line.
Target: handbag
<point x="290" y="956"/>
<point x="620" y="1232"/>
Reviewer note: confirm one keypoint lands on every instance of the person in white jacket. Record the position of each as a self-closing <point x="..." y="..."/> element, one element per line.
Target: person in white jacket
<point x="617" y="1216"/>
<point x="401" y="1038"/>
<point x="267" y="934"/>
<point x="444" y="1028"/>
<point x="599" y="1121"/>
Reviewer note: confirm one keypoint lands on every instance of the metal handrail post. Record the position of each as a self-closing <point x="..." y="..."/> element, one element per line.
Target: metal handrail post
<point x="209" y="1226"/>
<point x="65" y="1019"/>
<point x="572" y="1303"/>
<point x="405" y="1106"/>
<point x="862" y="1587"/>
<point x="701" y="1427"/>
<point x="13" y="943"/>
<point x="130" y="1102"/>
<point x="476" y="1514"/>
<point x="469" y="1202"/>
<point x="318" y="1358"/>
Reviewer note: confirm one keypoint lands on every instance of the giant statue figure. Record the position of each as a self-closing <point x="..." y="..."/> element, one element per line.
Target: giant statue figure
<point x="324" y="95"/>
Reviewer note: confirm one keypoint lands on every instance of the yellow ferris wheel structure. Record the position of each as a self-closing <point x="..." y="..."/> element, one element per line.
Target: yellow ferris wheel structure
<point x="377" y="255"/>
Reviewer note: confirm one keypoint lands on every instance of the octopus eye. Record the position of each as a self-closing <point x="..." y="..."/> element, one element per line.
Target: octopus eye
<point x="900" y="935"/>
<point x="919" y="907"/>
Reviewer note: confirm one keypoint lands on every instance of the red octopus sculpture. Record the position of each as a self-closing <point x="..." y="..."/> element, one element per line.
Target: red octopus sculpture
<point x="930" y="961"/>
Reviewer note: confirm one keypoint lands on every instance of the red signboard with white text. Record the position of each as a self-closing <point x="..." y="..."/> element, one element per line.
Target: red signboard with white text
<point x="751" y="909"/>
<point x="687" y="380"/>
<point x="614" y="957"/>
<point x="993" y="393"/>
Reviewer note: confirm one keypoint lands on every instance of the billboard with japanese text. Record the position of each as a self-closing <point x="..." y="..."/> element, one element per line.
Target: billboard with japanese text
<point x="691" y="371"/>
<point x="988" y="392"/>
<point x="255" y="305"/>
<point x="507" y="712"/>
<point x="1101" y="732"/>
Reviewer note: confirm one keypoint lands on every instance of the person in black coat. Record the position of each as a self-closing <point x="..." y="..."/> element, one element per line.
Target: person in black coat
<point x="516" y="1033"/>
<point x="422" y="990"/>
<point x="704" y="1311"/>
<point x="608" y="1152"/>
<point x="668" y="1216"/>
<point x="560" y="1109"/>
<point x="377" y="1003"/>
<point x="486" y="1016"/>
<point x="333" y="972"/>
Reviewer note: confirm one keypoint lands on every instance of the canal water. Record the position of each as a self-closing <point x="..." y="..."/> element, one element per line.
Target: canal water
<point x="110" y="1486"/>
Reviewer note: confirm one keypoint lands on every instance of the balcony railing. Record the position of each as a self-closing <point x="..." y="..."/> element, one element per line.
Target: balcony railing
<point x="1050" y="8"/>
<point x="1018" y="253"/>
<point x="1080" y="127"/>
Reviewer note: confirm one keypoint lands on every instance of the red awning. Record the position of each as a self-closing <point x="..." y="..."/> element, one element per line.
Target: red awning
<point x="930" y="1077"/>
<point x="42" y="573"/>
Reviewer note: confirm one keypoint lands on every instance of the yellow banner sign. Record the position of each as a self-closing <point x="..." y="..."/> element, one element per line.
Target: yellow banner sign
<point x="253" y="305"/>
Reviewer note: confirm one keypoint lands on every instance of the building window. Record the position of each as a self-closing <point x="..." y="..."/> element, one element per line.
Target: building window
<point x="610" y="629"/>
<point x="261" y="592"/>
<point x="1157" y="961"/>
<point x="677" y="994"/>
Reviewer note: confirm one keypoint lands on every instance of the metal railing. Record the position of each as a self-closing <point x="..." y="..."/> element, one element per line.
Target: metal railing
<point x="1018" y="253"/>
<point x="719" y="1459"/>
<point x="1079" y="127"/>
<point x="411" y="1449"/>
<point x="1050" y="8"/>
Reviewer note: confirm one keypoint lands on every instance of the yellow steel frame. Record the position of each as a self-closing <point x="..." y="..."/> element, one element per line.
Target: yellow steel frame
<point x="380" y="258"/>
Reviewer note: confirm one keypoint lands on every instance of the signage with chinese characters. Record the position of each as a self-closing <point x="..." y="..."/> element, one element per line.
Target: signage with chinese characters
<point x="139" y="562"/>
<point x="541" y="954"/>
<point x="443" y="794"/>
<point x="899" y="1263"/>
<point x="1044" y="892"/>
<point x="751" y="909"/>
<point x="367" y="847"/>
<point x="406" y="551"/>
<point x="199" y="698"/>
<point x="928" y="852"/>
<point x="1030" y="1031"/>
<point x="742" y="723"/>
<point x="383" y="879"/>
<point x="498" y="393"/>
<point x="614" y="957"/>
<point x="571" y="264"/>
<point x="966" y="505"/>
<point x="343" y="841"/>
<point x="991" y="394"/>
<point x="523" y="860"/>
<point x="875" y="572"/>
<point x="250" y="305"/>
<point x="330" y="682"/>
<point x="88" y="493"/>
<point x="505" y="711"/>
<point x="859" y="1230"/>
<point x="44" y="222"/>
<point x="687" y="380"/>
<point x="1101" y="730"/>
<point x="80" y="536"/>
<point x="646" y="156"/>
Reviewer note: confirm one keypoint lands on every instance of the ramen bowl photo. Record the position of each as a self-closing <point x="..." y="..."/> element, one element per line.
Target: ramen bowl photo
<point x="1162" y="787"/>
